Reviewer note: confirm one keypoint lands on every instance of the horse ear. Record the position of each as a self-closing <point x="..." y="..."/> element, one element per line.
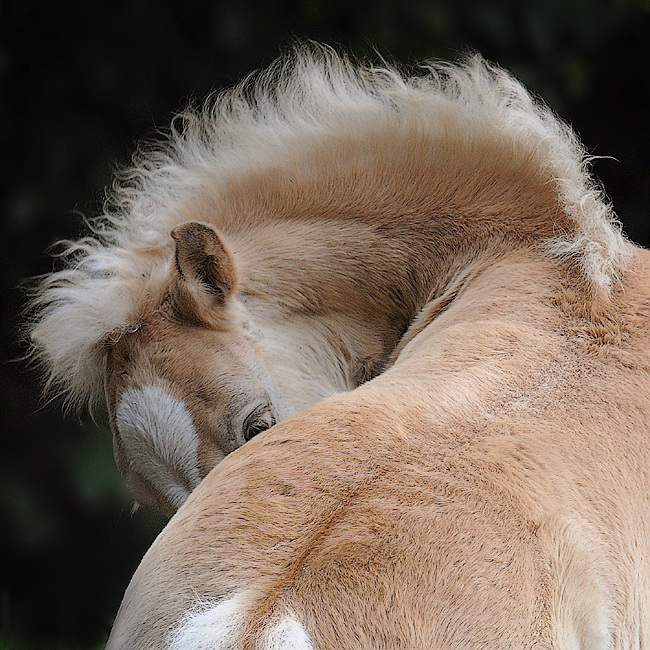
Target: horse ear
<point x="205" y="271"/>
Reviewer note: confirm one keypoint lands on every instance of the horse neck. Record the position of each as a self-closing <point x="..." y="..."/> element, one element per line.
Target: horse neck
<point x="330" y="301"/>
<point x="503" y="325"/>
<point x="334" y="314"/>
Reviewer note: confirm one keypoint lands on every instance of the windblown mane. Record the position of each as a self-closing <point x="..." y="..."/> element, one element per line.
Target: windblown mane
<point x="265" y="122"/>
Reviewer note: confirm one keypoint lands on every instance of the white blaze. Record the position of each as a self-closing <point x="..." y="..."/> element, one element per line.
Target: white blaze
<point x="159" y="440"/>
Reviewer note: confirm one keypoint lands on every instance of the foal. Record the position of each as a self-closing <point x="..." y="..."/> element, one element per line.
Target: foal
<point x="489" y="488"/>
<point x="275" y="251"/>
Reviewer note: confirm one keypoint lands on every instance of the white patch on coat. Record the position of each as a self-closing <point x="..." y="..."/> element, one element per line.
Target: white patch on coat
<point x="286" y="634"/>
<point x="160" y="441"/>
<point x="219" y="626"/>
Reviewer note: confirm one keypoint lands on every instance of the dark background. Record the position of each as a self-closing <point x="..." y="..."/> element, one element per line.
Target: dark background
<point x="82" y="81"/>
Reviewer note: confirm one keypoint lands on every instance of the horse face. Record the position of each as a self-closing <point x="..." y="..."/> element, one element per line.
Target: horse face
<point x="191" y="384"/>
<point x="180" y="399"/>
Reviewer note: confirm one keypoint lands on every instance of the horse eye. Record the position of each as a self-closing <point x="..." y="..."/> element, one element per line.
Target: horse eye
<point x="259" y="420"/>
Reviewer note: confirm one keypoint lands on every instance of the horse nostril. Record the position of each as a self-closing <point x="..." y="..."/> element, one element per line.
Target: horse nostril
<point x="259" y="420"/>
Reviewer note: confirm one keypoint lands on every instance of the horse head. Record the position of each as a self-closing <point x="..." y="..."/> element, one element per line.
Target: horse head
<point x="194" y="381"/>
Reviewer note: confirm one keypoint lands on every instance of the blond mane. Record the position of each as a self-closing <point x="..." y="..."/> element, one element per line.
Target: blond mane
<point x="277" y="117"/>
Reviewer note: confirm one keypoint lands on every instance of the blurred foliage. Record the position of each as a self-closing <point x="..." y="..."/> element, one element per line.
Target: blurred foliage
<point x="82" y="81"/>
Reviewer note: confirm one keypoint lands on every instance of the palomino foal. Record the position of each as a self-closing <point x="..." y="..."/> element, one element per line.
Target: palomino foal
<point x="490" y="488"/>
<point x="215" y="299"/>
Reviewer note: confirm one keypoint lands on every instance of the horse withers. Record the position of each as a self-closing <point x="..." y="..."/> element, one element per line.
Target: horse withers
<point x="436" y="245"/>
